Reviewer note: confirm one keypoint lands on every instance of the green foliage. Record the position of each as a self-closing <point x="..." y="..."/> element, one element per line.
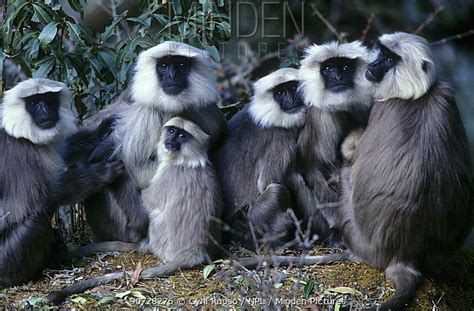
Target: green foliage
<point x="46" y="42"/>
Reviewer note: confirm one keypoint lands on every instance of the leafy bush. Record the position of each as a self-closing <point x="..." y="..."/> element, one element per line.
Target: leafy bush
<point x="46" y="42"/>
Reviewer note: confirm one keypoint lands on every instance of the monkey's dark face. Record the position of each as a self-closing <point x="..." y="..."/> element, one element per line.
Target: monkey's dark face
<point x="385" y="61"/>
<point x="173" y="73"/>
<point x="175" y="138"/>
<point x="288" y="97"/>
<point x="338" y="73"/>
<point x="44" y="109"/>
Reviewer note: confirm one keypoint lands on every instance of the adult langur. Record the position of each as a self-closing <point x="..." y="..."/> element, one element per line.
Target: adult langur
<point x="34" y="180"/>
<point x="254" y="162"/>
<point x="171" y="79"/>
<point x="407" y="198"/>
<point x="339" y="99"/>
<point x="184" y="203"/>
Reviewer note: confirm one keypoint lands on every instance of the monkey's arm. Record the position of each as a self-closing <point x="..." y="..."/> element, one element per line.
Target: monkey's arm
<point x="82" y="144"/>
<point x="80" y="181"/>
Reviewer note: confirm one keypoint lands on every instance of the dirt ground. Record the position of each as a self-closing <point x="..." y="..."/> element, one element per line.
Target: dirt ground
<point x="336" y="287"/>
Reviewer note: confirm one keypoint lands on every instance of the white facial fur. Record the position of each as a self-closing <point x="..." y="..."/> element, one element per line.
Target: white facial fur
<point x="407" y="80"/>
<point x="18" y="123"/>
<point x="265" y="111"/>
<point x="146" y="88"/>
<point x="312" y="84"/>
<point x="193" y="153"/>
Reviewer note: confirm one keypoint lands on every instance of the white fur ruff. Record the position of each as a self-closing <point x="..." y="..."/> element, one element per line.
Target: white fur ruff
<point x="18" y="123"/>
<point x="312" y="84"/>
<point x="146" y="88"/>
<point x="407" y="80"/>
<point x="265" y="111"/>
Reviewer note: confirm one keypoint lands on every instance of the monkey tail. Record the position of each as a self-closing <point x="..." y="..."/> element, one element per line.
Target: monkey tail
<point x="252" y="262"/>
<point x="406" y="280"/>
<point x="165" y="270"/>
<point x="104" y="247"/>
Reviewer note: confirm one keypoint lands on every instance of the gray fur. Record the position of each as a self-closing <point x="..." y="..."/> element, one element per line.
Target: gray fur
<point x="117" y="213"/>
<point x="407" y="199"/>
<point x="253" y="165"/>
<point x="34" y="182"/>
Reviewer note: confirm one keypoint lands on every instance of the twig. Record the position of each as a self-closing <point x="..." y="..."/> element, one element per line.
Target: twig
<point x="5" y="216"/>
<point x="429" y="19"/>
<point x="367" y="27"/>
<point x="454" y="37"/>
<point x="339" y="36"/>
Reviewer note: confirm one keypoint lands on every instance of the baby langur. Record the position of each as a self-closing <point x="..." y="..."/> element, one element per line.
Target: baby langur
<point x="407" y="198"/>
<point x="34" y="181"/>
<point x="184" y="201"/>
<point x="339" y="99"/>
<point x="184" y="204"/>
<point x="254" y="162"/>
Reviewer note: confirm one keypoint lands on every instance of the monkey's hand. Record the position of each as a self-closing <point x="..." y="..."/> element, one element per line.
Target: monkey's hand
<point x="80" y="181"/>
<point x="104" y="151"/>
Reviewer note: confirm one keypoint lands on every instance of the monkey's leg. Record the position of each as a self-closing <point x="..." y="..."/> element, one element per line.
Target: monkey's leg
<point x="104" y="247"/>
<point x="406" y="280"/>
<point x="269" y="216"/>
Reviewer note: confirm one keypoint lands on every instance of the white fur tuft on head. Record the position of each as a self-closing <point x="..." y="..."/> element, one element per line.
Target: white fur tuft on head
<point x="193" y="153"/>
<point x="146" y="88"/>
<point x="18" y="123"/>
<point x="312" y="85"/>
<point x="412" y="77"/>
<point x="265" y="111"/>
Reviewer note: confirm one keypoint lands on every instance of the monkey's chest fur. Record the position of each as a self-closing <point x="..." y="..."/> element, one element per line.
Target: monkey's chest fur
<point x="183" y="204"/>
<point x="411" y="183"/>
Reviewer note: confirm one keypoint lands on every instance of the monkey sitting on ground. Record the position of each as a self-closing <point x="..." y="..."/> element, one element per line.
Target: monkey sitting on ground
<point x="339" y="99"/>
<point x="34" y="181"/>
<point x="171" y="79"/>
<point x="256" y="158"/>
<point x="184" y="204"/>
<point x="407" y="198"/>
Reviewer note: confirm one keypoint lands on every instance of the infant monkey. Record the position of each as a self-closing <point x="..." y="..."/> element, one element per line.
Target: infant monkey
<point x="184" y="198"/>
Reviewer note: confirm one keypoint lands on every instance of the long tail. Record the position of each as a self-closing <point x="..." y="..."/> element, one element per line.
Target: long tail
<point x="157" y="271"/>
<point x="103" y="247"/>
<point x="406" y="281"/>
<point x="252" y="262"/>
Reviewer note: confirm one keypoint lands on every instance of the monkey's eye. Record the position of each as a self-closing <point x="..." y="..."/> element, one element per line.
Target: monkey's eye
<point x="327" y="69"/>
<point x="171" y="130"/>
<point x="279" y="93"/>
<point x="389" y="60"/>
<point x="182" y="135"/>
<point x="345" y="68"/>
<point x="182" y="65"/>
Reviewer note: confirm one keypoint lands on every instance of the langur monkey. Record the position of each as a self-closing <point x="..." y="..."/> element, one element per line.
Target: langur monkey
<point x="407" y="197"/>
<point x="34" y="180"/>
<point x="171" y="79"/>
<point x="254" y="162"/>
<point x="184" y="203"/>
<point x="339" y="99"/>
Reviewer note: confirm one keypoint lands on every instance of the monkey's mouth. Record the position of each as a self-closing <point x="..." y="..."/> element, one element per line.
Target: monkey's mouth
<point x="173" y="90"/>
<point x="293" y="110"/>
<point x="47" y="124"/>
<point x="341" y="88"/>
<point x="371" y="77"/>
<point x="172" y="147"/>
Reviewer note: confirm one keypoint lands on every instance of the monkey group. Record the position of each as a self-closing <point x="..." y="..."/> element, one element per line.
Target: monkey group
<point x="360" y="148"/>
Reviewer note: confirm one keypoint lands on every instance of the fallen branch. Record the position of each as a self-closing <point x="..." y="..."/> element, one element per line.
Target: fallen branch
<point x="454" y="37"/>
<point x="429" y="19"/>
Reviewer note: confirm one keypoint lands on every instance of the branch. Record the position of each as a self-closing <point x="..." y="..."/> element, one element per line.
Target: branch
<point x="333" y="29"/>
<point x="429" y="19"/>
<point x="367" y="27"/>
<point x="454" y="37"/>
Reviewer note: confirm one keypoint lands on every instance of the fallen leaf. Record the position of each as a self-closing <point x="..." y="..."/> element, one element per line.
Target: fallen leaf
<point x="136" y="273"/>
<point x="345" y="290"/>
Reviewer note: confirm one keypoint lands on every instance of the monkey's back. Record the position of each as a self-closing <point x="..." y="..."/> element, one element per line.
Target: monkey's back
<point x="411" y="183"/>
<point x="184" y="205"/>
<point x="251" y="152"/>
<point x="28" y="175"/>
